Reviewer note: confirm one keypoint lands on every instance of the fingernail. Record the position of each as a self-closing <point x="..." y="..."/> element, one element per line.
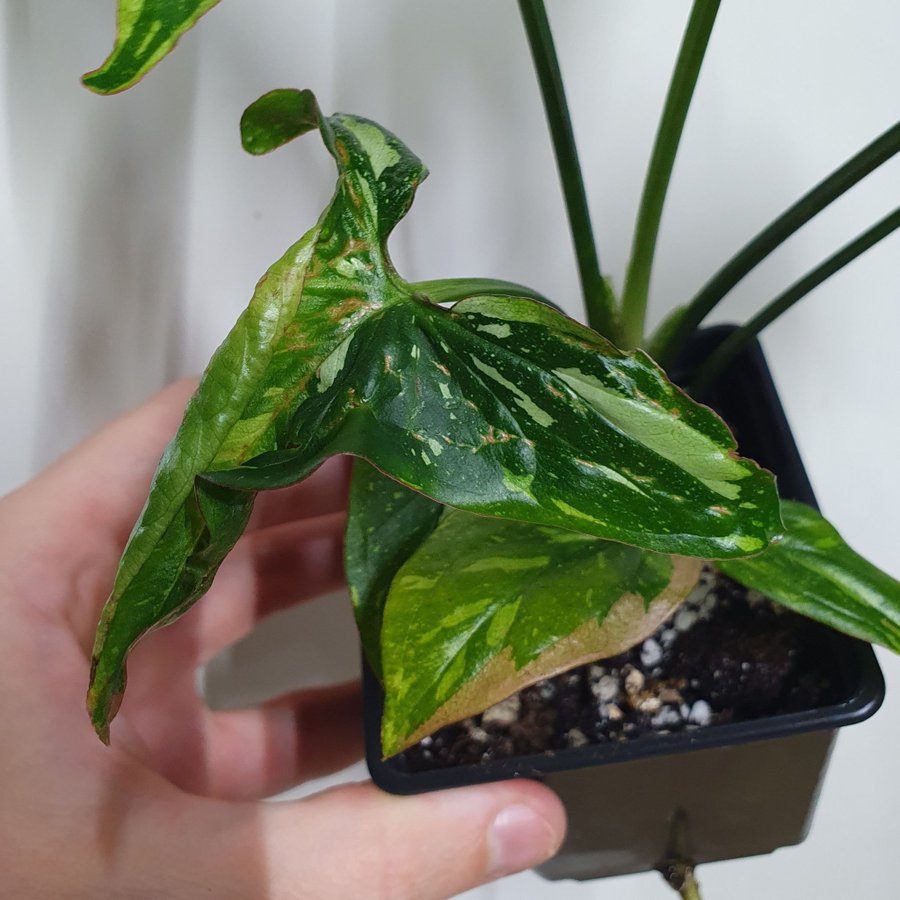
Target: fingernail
<point x="518" y="839"/>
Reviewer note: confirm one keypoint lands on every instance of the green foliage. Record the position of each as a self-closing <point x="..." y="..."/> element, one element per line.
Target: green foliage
<point x="250" y="388"/>
<point x="586" y="467"/>
<point x="813" y="571"/>
<point x="500" y="406"/>
<point x="146" y="31"/>
<point x="277" y="118"/>
<point x="505" y="407"/>
<point x="486" y="606"/>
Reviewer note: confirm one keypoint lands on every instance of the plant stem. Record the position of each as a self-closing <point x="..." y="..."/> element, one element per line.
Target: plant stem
<point x="797" y="215"/>
<point x="679" y="875"/>
<point x="668" y="136"/>
<point x="677" y="869"/>
<point x="797" y="291"/>
<point x="449" y="290"/>
<point x="599" y="303"/>
<point x="690" y="889"/>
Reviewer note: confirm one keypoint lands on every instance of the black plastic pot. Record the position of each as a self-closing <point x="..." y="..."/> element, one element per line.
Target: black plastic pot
<point x="746" y="788"/>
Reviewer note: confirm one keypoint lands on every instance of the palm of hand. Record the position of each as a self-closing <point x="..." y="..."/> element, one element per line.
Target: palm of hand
<point x="156" y="814"/>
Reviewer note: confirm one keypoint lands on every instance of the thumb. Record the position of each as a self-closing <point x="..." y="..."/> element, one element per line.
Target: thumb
<point x="357" y="841"/>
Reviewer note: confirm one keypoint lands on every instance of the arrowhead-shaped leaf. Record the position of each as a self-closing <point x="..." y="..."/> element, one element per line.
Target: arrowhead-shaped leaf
<point x="256" y="378"/>
<point x="146" y="31"/>
<point x="386" y="522"/>
<point x="813" y="571"/>
<point x="505" y="407"/>
<point x="502" y="406"/>
<point x="487" y="606"/>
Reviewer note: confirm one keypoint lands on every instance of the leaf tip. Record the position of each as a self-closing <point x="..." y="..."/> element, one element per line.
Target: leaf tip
<point x="277" y="118"/>
<point x="104" y="696"/>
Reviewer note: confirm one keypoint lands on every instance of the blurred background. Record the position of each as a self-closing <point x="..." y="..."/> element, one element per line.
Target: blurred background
<point x="133" y="229"/>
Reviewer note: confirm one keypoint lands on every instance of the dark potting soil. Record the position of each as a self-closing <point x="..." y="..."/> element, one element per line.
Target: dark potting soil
<point x="726" y="655"/>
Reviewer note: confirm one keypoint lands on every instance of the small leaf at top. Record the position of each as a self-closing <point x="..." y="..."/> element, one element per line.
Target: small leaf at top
<point x="276" y="118"/>
<point x="386" y="522"/>
<point x="146" y="31"/>
<point x="485" y="607"/>
<point x="815" y="573"/>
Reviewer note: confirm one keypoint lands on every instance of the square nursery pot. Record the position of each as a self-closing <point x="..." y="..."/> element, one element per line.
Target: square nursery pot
<point x="746" y="788"/>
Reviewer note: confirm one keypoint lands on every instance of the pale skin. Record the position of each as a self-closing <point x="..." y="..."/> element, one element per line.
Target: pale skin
<point x="172" y="809"/>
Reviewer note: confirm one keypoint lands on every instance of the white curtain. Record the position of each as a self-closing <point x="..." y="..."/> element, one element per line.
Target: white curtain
<point x="133" y="228"/>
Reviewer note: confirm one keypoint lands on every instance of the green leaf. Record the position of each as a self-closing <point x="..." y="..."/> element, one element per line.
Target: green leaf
<point x="385" y="524"/>
<point x="813" y="572"/>
<point x="146" y="31"/>
<point x="256" y="378"/>
<point x="485" y="607"/>
<point x="170" y="562"/>
<point x="500" y="405"/>
<point x="276" y="118"/>
<point x="507" y="408"/>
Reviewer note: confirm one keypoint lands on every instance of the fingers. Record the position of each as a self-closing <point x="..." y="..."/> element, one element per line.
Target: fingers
<point x="253" y="753"/>
<point x="249" y="754"/>
<point x="270" y="570"/>
<point x="325" y="491"/>
<point x="103" y="482"/>
<point x="67" y="527"/>
<point x="360" y="842"/>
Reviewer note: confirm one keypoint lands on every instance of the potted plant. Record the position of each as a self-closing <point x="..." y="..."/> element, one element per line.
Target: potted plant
<point x="498" y="406"/>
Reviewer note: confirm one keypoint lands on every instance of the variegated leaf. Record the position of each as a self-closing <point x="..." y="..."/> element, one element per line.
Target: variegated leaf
<point x="146" y="31"/>
<point x="262" y="371"/>
<point x="505" y="407"/>
<point x="813" y="572"/>
<point x="485" y="607"/>
<point x="386" y="522"/>
<point x="500" y="405"/>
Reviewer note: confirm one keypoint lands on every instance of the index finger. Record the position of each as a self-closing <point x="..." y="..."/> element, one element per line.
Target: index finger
<point x="97" y="489"/>
<point x="326" y="491"/>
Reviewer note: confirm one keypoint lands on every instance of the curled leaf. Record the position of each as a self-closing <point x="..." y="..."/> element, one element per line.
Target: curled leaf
<point x="262" y="371"/>
<point x="500" y="405"/>
<point x="277" y="118"/>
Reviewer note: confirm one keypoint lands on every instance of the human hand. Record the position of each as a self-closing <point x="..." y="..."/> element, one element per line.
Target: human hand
<point x="170" y="809"/>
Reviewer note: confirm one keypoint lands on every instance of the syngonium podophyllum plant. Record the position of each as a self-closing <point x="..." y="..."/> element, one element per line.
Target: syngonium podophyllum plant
<point x="529" y="493"/>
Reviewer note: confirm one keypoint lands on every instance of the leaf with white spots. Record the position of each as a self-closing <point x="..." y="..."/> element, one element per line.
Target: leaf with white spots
<point x="505" y="407"/>
<point x="815" y="573"/>
<point x="501" y="406"/>
<point x="289" y="341"/>
<point x="146" y="32"/>
<point x="485" y="607"/>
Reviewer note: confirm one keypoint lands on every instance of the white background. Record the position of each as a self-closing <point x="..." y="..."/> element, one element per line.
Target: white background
<point x="132" y="230"/>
